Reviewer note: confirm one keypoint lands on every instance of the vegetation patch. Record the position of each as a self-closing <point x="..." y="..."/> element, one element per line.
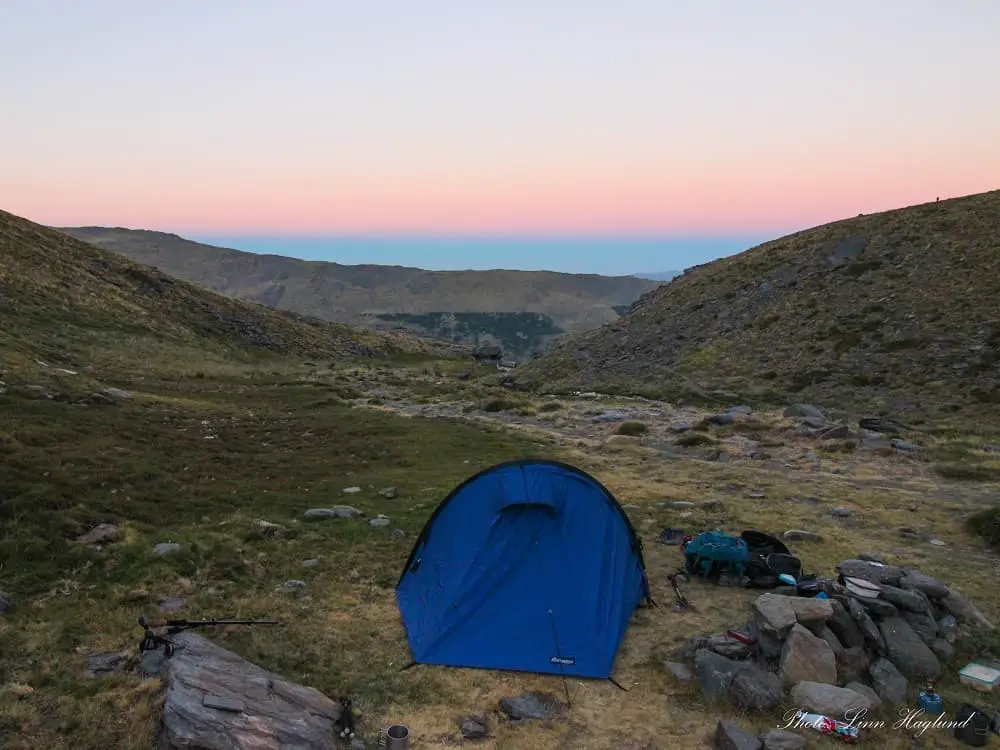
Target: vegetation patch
<point x="632" y="428"/>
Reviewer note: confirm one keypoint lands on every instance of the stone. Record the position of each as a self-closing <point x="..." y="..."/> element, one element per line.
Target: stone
<point x="275" y="713"/>
<point x="809" y="609"/>
<point x="948" y="627"/>
<point x="312" y="562"/>
<point x="388" y="493"/>
<point x="965" y="611"/>
<point x="852" y="665"/>
<point x="166" y="548"/>
<point x="681" y="504"/>
<point x="912" y="601"/>
<point x="681" y="672"/>
<point x="118" y="393"/>
<point x="803" y="410"/>
<point x="805" y="657"/>
<point x="729" y="736"/>
<point x="907" y="651"/>
<point x="269" y="530"/>
<point x="889" y="682"/>
<point x="714" y="672"/>
<point x="869" y="571"/>
<point x="289" y="586"/>
<point x="844" y="626"/>
<point x="904" y="445"/>
<point x="103" y="533"/>
<point x="835" y="432"/>
<point x="799" y="535"/>
<point x="841" y="512"/>
<point x="741" y="409"/>
<point x="774" y="614"/>
<point x="861" y="689"/>
<point x="930" y="586"/>
<point x="829" y="700"/>
<point x="923" y="625"/>
<point x="866" y="625"/>
<point x="768" y="646"/>
<point x="473" y="727"/>
<point x="781" y="739"/>
<point x="721" y="419"/>
<point x="878" y="607"/>
<point x="726" y="646"/>
<point x="380" y="522"/>
<point x="943" y="650"/>
<point x="532" y="705"/>
<point x="753" y="688"/>
<point x="827" y="635"/>
<point x="351" y="490"/>
<point x="99" y="665"/>
<point x="337" y="511"/>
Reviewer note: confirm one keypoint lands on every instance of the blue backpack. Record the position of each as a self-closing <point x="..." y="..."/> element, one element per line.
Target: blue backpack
<point x="714" y="552"/>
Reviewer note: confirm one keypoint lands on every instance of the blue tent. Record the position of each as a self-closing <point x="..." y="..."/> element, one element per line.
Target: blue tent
<point x="530" y="565"/>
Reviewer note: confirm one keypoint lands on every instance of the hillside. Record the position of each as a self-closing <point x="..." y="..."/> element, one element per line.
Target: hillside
<point x="897" y="311"/>
<point x="377" y="296"/>
<point x="66" y="301"/>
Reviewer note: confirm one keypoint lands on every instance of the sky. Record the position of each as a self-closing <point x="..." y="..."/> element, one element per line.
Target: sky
<point x="665" y="132"/>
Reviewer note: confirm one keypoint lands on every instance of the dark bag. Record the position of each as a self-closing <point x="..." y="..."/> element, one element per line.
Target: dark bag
<point x="768" y="558"/>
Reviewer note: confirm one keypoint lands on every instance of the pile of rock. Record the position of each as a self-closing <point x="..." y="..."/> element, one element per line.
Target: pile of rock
<point x="838" y="655"/>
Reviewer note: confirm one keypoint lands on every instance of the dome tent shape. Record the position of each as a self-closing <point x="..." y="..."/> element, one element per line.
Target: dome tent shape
<point x="529" y="565"/>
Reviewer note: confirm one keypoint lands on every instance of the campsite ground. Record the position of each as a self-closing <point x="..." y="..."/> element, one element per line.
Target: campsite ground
<point x="199" y="459"/>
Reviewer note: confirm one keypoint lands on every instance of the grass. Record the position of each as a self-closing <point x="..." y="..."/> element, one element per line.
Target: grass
<point x="632" y="428"/>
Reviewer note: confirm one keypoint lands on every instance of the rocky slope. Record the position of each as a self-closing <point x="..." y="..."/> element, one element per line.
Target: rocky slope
<point x="897" y="311"/>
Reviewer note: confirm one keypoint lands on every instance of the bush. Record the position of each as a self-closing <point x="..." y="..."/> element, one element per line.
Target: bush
<point x="499" y="404"/>
<point x="690" y="441"/>
<point x="632" y="428"/>
<point x="550" y="406"/>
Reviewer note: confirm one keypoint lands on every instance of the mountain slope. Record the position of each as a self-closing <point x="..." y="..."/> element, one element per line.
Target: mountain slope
<point x="898" y="311"/>
<point x="62" y="299"/>
<point x="391" y="296"/>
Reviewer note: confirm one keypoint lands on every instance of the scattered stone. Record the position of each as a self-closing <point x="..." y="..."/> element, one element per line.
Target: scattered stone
<point x="388" y="493"/>
<point x="889" y="682"/>
<point x="753" y="688"/>
<point x="903" y="445"/>
<point x="713" y="504"/>
<point x="913" y="579"/>
<point x="774" y="614"/>
<point x="714" y="672"/>
<point x="806" y="657"/>
<point x="103" y="533"/>
<point x="757" y="495"/>
<point x="337" y="511"/>
<point x="907" y="651"/>
<point x="809" y="610"/>
<point x="682" y="672"/>
<point x="398" y="532"/>
<point x="798" y="535"/>
<point x="844" y="626"/>
<point x="172" y="603"/>
<point x="118" y="393"/>
<point x="742" y="409"/>
<point x="681" y="504"/>
<point x="166" y="548"/>
<point x="269" y="530"/>
<point x="616" y="442"/>
<point x="965" y="611"/>
<point x="135" y="595"/>
<point x="473" y="727"/>
<point x="852" y="665"/>
<point x="829" y="700"/>
<point x="721" y="419"/>
<point x="312" y="562"/>
<point x="532" y="706"/>
<point x="874" y="572"/>
<point x="841" y="512"/>
<point x="803" y="411"/>
<point x="351" y="490"/>
<point x="861" y="689"/>
<point x="289" y="586"/>
<point x="380" y="522"/>
<point x="99" y="665"/>
<point x="781" y="739"/>
<point x="729" y="736"/>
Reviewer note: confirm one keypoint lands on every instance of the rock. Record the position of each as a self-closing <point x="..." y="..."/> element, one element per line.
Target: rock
<point x="388" y="493"/>
<point x="172" y="603"/>
<point x="681" y="504"/>
<point x="7" y="606"/>
<point x="312" y="562"/>
<point x="965" y="611"/>
<point x="755" y="689"/>
<point x="351" y="490"/>
<point x="904" y="445"/>
<point x="798" y="535"/>
<point x="714" y="672"/>
<point x="806" y="657"/>
<point x="844" y="626"/>
<point x="99" y="665"/>
<point x="275" y="713"/>
<point x="923" y="625"/>
<point x="774" y="614"/>
<point x="809" y="609"/>
<point x="907" y="651"/>
<point x="866" y="625"/>
<point x="289" y="586"/>
<point x="873" y="572"/>
<point x="930" y="586"/>
<point x="829" y="700"/>
<point x="726" y="646"/>
<point x="269" y="530"/>
<point x="682" y="672"/>
<point x="841" y="512"/>
<point x="166" y="548"/>
<point x="768" y="646"/>
<point x="803" y="410"/>
<point x="878" y="607"/>
<point x="337" y="511"/>
<point x="780" y="739"/>
<point x="912" y="601"/>
<point x="532" y="706"/>
<point x="380" y="522"/>
<point x="889" y="682"/>
<point x="101" y="534"/>
<point x="473" y="727"/>
<point x="729" y="736"/>
<point x="861" y="689"/>
<point x="943" y="650"/>
<point x="827" y="635"/>
<point x="721" y="419"/>
<point x="852" y="665"/>
<point x="151" y="662"/>
<point x="948" y="627"/>
<point x="118" y="393"/>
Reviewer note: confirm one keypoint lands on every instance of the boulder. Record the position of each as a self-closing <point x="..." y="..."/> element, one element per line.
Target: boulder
<point x="829" y="700"/>
<point x="216" y="700"/>
<point x="726" y="646"/>
<point x="909" y="600"/>
<point x="943" y="650"/>
<point x="768" y="646"/>
<point x="774" y="614"/>
<point x="806" y="657"/>
<point x="809" y="609"/>
<point x="930" y="586"/>
<point x="878" y="607"/>
<point x="861" y="689"/>
<point x="852" y="665"/>
<point x="889" y="683"/>
<point x="874" y="572"/>
<point x="755" y="689"/>
<point x="729" y="736"/>
<point x="907" y="651"/>
<point x="866" y="625"/>
<point x="780" y="739"/>
<point x="532" y="706"/>
<point x="714" y="672"/>
<point x="844" y="626"/>
<point x="827" y="635"/>
<point x="923" y="625"/>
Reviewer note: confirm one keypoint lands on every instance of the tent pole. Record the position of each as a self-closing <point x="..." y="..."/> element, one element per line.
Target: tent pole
<point x="562" y="670"/>
<point x="613" y="682"/>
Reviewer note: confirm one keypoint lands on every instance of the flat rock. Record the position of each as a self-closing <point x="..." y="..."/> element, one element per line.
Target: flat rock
<point x="473" y="727"/>
<point x="874" y="572"/>
<point x="99" y="665"/>
<point x="337" y="511"/>
<point x="912" y="601"/>
<point x="806" y="657"/>
<point x="829" y="700"/>
<point x="907" y="651"/>
<point x="714" y="672"/>
<point x="726" y="646"/>
<point x="889" y="682"/>
<point x="289" y="586"/>
<point x="729" y="736"/>
<point x="681" y="672"/>
<point x="930" y="586"/>
<point x="380" y="522"/>
<point x="351" y="490"/>
<point x="781" y="739"/>
<point x="532" y="706"/>
<point x="800" y="535"/>
<point x="166" y="548"/>
<point x="388" y="493"/>
<point x="774" y="614"/>
<point x="878" y="607"/>
<point x="275" y="713"/>
<point x="809" y="609"/>
<point x="866" y="624"/>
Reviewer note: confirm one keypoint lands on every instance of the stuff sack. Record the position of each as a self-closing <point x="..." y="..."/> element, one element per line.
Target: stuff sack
<point x="768" y="558"/>
<point x="714" y="552"/>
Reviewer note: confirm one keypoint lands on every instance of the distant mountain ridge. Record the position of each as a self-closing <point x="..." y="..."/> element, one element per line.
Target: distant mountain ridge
<point x="524" y="311"/>
<point x="659" y="275"/>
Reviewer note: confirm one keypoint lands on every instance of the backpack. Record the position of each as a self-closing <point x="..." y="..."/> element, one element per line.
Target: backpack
<point x="714" y="552"/>
<point x="767" y="558"/>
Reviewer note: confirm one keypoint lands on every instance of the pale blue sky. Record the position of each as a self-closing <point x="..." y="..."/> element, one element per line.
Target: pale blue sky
<point x="665" y="118"/>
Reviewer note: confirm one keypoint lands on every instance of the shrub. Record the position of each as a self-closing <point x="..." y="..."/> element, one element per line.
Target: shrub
<point x="631" y="428"/>
<point x="690" y="441"/>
